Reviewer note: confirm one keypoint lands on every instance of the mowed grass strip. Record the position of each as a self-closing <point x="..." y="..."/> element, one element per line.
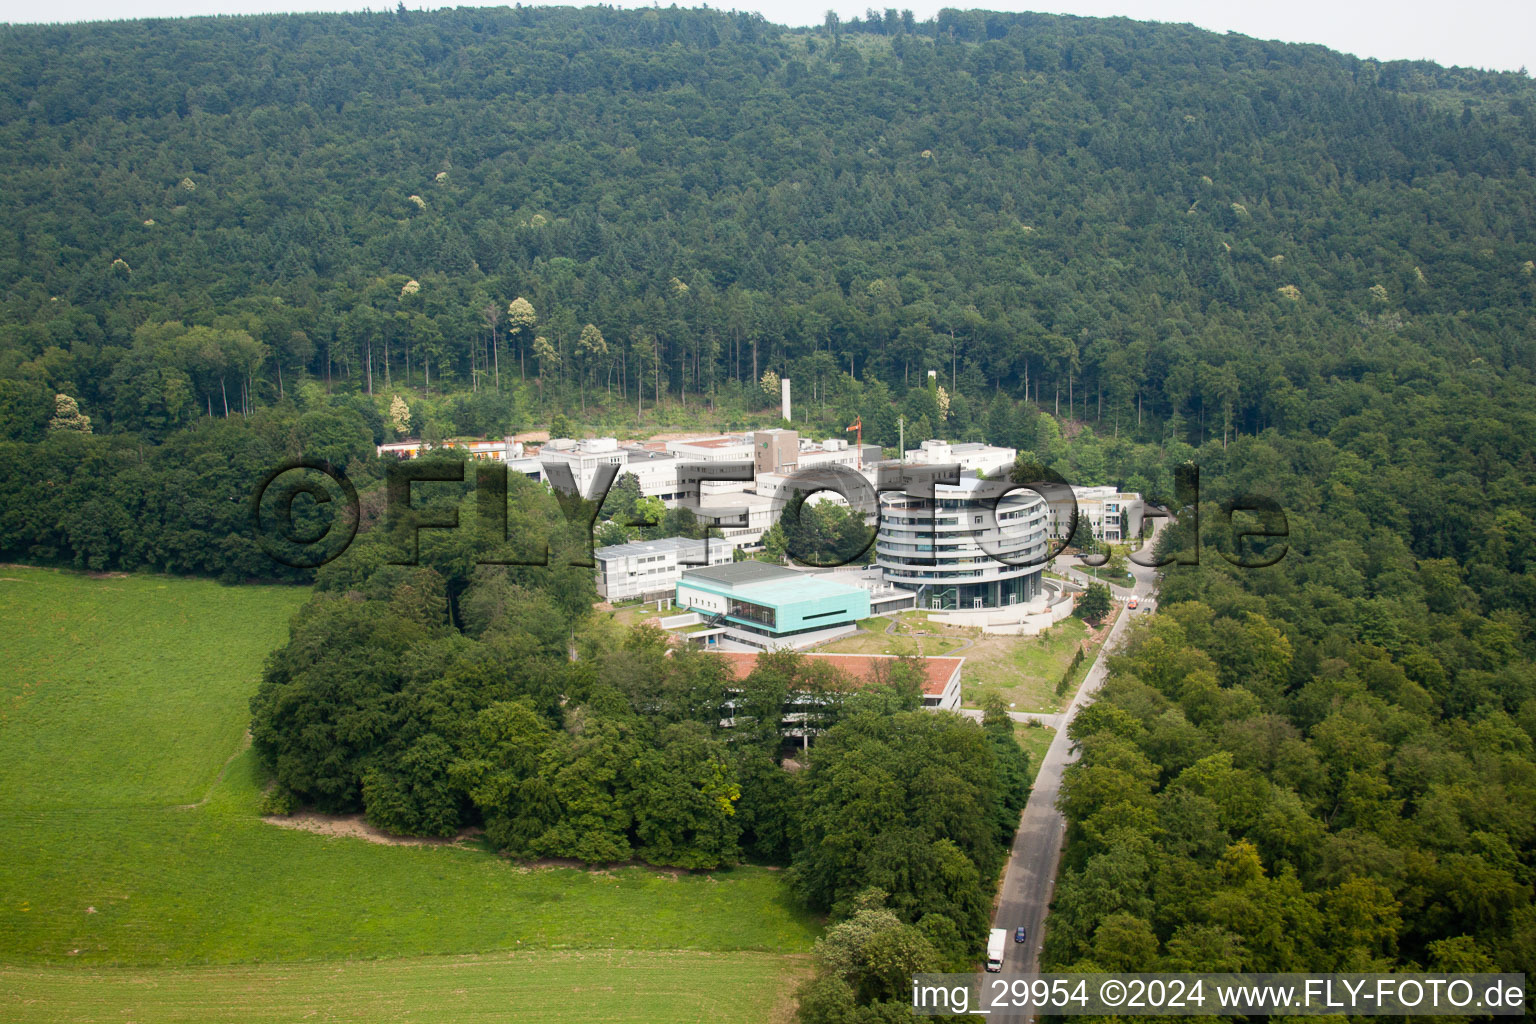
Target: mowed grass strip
<point x="130" y="875"/>
<point x="126" y="691"/>
<point x="616" y="987"/>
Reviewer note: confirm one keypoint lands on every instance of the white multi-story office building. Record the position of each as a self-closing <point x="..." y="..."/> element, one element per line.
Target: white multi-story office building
<point x="584" y="456"/>
<point x="972" y="456"/>
<point x="835" y="451"/>
<point x="964" y="546"/>
<point x="706" y="451"/>
<point x="781" y="486"/>
<point x="1113" y="515"/>
<point x="712" y="449"/>
<point x="742" y="518"/>
<point x="657" y="473"/>
<point x="649" y="569"/>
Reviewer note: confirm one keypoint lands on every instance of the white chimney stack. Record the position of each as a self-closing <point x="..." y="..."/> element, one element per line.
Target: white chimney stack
<point x="784" y="397"/>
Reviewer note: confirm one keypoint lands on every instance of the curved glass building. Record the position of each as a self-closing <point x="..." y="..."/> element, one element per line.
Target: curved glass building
<point x="947" y="548"/>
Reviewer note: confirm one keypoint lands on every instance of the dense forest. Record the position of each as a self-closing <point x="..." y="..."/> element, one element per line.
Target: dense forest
<point x="444" y="695"/>
<point x="1119" y="248"/>
<point x="1324" y="766"/>
<point x="1148" y="228"/>
<point x="1112" y="243"/>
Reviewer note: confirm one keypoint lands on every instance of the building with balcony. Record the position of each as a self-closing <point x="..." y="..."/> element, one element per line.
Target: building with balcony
<point x="1113" y="515"/>
<point x="955" y="555"/>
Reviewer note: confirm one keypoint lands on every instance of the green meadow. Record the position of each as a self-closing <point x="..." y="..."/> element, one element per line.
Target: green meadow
<point x="136" y="875"/>
<point x="611" y="986"/>
<point x="126" y="691"/>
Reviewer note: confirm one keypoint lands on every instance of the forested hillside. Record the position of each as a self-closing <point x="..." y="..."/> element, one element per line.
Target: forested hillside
<point x="1160" y="236"/>
<point x="1325" y="766"/>
<point x="1121" y="248"/>
<point x="1130" y="222"/>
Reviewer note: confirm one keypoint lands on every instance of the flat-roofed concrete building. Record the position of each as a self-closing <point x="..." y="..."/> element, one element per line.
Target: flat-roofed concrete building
<point x="835" y="451"/>
<point x="584" y="456"/>
<point x="769" y="607"/>
<point x="712" y="449"/>
<point x="781" y="452"/>
<point x="781" y="487"/>
<point x="971" y="456"/>
<point x="650" y="569"/>
<point x="741" y="517"/>
<point x="657" y="473"/>
<point x="775" y="451"/>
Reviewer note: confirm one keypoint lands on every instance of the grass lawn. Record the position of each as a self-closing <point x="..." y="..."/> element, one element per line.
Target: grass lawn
<point x="127" y="691"/>
<point x="632" y="614"/>
<point x="1106" y="575"/>
<point x="885" y="643"/>
<point x="921" y="622"/>
<point x="124" y="698"/>
<point x="1022" y="670"/>
<point x="215" y="884"/>
<point x="1036" y="740"/>
<point x="621" y="987"/>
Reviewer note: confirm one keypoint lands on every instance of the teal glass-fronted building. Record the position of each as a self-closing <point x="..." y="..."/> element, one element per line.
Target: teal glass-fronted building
<point x="769" y="606"/>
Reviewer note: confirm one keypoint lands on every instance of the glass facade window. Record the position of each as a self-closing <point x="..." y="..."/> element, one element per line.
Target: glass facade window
<point x="753" y="613"/>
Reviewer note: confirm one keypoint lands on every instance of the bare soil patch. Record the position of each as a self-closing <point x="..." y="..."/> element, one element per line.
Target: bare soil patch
<point x="353" y="826"/>
<point x="685" y="435"/>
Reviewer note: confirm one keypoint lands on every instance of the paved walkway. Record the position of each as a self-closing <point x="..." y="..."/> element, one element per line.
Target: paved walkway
<point x="1038" y="717"/>
<point x="1030" y="879"/>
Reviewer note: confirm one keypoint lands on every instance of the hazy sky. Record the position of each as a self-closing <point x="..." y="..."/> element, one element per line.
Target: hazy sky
<point x="1499" y="34"/>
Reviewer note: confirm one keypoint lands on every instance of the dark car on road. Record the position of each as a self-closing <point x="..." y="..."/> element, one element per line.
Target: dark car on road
<point x="1020" y="934"/>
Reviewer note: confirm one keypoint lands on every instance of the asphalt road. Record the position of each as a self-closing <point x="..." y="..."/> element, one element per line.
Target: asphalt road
<point x="1030" y="878"/>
